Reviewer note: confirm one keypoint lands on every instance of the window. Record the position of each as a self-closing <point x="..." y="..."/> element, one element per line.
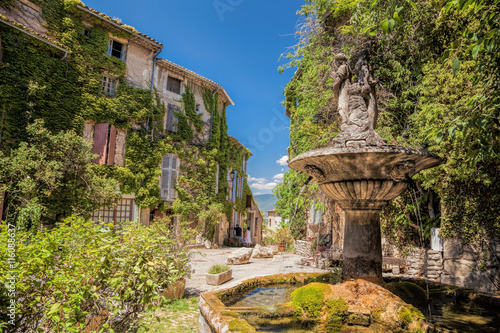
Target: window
<point x="198" y="109"/>
<point x="104" y="143"/>
<point x="86" y="33"/>
<point x="169" y="172"/>
<point x="174" y="85"/>
<point x="121" y="212"/>
<point x="108" y="84"/>
<point x="172" y="120"/>
<point x="116" y="49"/>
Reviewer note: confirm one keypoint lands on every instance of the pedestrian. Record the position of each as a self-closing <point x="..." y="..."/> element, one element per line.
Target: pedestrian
<point x="248" y="237"/>
<point x="237" y="233"/>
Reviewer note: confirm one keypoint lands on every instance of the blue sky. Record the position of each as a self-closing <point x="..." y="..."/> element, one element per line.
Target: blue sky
<point x="236" y="43"/>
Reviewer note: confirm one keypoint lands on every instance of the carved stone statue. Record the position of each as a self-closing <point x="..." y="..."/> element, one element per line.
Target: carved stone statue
<point x="357" y="105"/>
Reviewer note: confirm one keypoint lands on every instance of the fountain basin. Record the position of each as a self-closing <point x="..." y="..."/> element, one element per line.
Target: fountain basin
<point x="334" y="164"/>
<point x="371" y="308"/>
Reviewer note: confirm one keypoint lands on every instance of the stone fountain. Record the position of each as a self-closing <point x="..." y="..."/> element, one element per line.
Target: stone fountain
<point x="360" y="171"/>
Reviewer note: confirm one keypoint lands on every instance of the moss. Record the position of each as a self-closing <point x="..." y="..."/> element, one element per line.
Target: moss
<point x="409" y="315"/>
<point x="409" y="292"/>
<point x="241" y="325"/>
<point x="230" y="314"/>
<point x="337" y="312"/>
<point x="308" y="301"/>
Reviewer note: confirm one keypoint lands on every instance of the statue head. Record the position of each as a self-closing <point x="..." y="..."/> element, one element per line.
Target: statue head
<point x="340" y="59"/>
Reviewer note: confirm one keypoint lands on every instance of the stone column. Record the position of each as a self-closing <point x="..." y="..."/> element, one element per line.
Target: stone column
<point x="362" y="255"/>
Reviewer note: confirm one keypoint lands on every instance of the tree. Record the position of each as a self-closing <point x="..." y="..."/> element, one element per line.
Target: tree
<point x="50" y="177"/>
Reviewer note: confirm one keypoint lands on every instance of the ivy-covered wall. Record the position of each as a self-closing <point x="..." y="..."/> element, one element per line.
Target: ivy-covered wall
<point x="437" y="87"/>
<point x="35" y="83"/>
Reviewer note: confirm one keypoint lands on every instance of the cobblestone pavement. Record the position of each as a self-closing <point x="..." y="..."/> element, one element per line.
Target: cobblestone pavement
<point x="203" y="259"/>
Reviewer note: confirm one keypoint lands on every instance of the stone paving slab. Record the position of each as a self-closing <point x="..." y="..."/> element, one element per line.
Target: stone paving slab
<point x="202" y="259"/>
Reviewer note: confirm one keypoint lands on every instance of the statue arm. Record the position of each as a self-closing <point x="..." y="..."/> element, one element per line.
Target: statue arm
<point x="372" y="108"/>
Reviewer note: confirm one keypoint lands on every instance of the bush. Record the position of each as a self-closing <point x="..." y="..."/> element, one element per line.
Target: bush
<point x="217" y="269"/>
<point x="80" y="269"/>
<point x="284" y="236"/>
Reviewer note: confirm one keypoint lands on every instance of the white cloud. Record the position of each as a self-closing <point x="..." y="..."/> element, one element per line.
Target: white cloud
<point x="283" y="160"/>
<point x="257" y="180"/>
<point x="264" y="186"/>
<point x="279" y="176"/>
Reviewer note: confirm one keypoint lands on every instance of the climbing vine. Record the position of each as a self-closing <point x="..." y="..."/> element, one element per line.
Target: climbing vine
<point x="429" y="95"/>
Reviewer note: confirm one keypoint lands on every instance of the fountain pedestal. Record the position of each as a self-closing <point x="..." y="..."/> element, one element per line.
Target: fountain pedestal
<point x="362" y="181"/>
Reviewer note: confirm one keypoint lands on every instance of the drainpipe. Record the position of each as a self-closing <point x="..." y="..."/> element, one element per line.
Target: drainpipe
<point x="212" y="115"/>
<point x="153" y="79"/>
<point x="65" y="55"/>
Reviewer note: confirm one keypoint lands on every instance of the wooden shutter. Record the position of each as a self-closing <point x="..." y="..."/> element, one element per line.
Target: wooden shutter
<point x="249" y="201"/>
<point x="235" y="179"/>
<point x="173" y="177"/>
<point x="100" y="142"/>
<point x="172" y="120"/>
<point x="165" y="177"/>
<point x="111" y="145"/>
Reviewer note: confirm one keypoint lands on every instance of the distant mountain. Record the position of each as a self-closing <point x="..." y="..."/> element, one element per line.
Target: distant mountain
<point x="265" y="202"/>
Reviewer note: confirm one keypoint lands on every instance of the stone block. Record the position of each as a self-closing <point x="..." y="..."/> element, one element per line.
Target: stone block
<point x="452" y="249"/>
<point x="239" y="257"/>
<point x="216" y="279"/>
<point x="396" y="270"/>
<point x="359" y="316"/>
<point x="262" y="252"/>
<point x="458" y="268"/>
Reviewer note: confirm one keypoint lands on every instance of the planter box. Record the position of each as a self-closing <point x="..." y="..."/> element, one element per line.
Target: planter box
<point x="275" y="248"/>
<point x="175" y="290"/>
<point x="322" y="248"/>
<point x="216" y="279"/>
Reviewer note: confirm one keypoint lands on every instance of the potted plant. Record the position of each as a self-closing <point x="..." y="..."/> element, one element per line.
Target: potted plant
<point x="322" y="245"/>
<point x="284" y="238"/>
<point x="218" y="274"/>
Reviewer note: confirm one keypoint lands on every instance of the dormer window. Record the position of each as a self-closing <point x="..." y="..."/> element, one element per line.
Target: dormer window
<point x="116" y="49"/>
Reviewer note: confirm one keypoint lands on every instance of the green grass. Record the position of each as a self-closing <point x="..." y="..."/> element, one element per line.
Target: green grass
<point x="217" y="269"/>
<point x="179" y="315"/>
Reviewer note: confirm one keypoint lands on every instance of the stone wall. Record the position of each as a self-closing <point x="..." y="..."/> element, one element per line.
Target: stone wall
<point x="457" y="264"/>
<point x="303" y="248"/>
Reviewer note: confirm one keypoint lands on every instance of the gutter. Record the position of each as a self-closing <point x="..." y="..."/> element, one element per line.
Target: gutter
<point x="153" y="82"/>
<point x="44" y="40"/>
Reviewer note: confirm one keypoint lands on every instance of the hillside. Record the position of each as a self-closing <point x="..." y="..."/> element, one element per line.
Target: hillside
<point x="265" y="202"/>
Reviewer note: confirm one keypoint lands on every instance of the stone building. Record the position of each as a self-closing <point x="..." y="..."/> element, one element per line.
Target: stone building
<point x="145" y="70"/>
<point x="273" y="220"/>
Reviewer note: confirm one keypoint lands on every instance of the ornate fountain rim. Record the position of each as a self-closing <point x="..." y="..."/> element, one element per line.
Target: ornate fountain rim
<point x="334" y="164"/>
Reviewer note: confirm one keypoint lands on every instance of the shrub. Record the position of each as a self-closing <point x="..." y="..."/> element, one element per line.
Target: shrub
<point x="308" y="300"/>
<point x="81" y="269"/>
<point x="284" y="236"/>
<point x="217" y="269"/>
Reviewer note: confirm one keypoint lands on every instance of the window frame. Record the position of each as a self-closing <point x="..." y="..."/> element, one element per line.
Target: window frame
<point x="170" y="80"/>
<point x="123" y="51"/>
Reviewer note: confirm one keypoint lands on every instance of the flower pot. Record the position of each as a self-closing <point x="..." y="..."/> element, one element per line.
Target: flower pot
<point x="216" y="279"/>
<point x="175" y="290"/>
<point x="322" y="248"/>
<point x="281" y="248"/>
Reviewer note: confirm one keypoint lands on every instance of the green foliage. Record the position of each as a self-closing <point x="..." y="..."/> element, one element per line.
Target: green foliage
<point x="437" y="66"/>
<point x="217" y="269"/>
<point x="308" y="301"/>
<point x="189" y="104"/>
<point x="283" y="236"/>
<point x="110" y="276"/>
<point x="50" y="177"/>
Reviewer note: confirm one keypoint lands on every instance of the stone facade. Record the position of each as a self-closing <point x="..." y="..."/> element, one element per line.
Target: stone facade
<point x="28" y="14"/>
<point x="303" y="248"/>
<point x="457" y="264"/>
